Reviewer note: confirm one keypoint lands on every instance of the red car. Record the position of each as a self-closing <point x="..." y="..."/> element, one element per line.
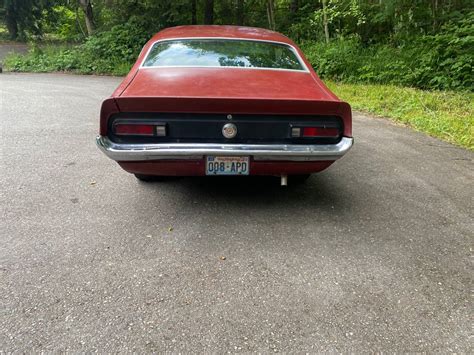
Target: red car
<point x="223" y="100"/>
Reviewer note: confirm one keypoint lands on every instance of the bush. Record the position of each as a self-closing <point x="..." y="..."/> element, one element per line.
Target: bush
<point x="111" y="52"/>
<point x="336" y="60"/>
<point x="441" y="61"/>
<point x="453" y="56"/>
<point x="121" y="42"/>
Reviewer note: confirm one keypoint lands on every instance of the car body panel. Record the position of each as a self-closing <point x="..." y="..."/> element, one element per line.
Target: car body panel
<point x="225" y="82"/>
<point x="234" y="106"/>
<point x="197" y="167"/>
<point x="223" y="90"/>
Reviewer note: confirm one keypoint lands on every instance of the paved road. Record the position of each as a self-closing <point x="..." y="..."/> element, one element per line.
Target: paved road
<point x="372" y="254"/>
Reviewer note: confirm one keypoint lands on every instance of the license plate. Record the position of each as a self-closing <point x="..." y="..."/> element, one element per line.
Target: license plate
<point x="227" y="165"/>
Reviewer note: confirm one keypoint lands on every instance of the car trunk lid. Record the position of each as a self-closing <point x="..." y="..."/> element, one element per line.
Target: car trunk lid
<point x="242" y="84"/>
<point x="229" y="91"/>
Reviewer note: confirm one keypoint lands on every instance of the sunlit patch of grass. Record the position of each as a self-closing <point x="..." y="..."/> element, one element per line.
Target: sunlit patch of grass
<point x="442" y="114"/>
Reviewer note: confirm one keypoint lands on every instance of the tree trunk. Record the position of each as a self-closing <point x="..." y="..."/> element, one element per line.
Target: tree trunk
<point x="11" y="21"/>
<point x="240" y="12"/>
<point x="325" y="21"/>
<point x="89" y="15"/>
<point x="78" y="22"/>
<point x="209" y="12"/>
<point x="294" y="6"/>
<point x="193" y="12"/>
<point x="271" y="14"/>
<point x="435" y="12"/>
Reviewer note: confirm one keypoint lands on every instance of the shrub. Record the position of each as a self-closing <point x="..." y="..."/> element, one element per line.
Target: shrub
<point x="337" y="60"/>
<point x="121" y="42"/>
<point x="441" y="61"/>
<point x="110" y="52"/>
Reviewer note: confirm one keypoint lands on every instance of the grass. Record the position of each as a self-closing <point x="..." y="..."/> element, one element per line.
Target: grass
<point x="441" y="114"/>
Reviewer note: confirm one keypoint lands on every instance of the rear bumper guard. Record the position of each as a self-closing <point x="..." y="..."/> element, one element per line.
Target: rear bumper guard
<point x="179" y="151"/>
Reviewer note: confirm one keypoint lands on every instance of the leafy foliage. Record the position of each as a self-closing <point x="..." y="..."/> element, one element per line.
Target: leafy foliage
<point x="441" y="61"/>
<point x="422" y="43"/>
<point x="109" y="52"/>
<point x="63" y="24"/>
<point x="121" y="42"/>
<point x="22" y="17"/>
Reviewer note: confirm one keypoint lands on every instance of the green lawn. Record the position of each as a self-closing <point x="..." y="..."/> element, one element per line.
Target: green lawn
<point x="445" y="115"/>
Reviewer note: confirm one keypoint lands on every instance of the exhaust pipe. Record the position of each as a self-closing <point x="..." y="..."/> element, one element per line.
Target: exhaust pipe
<point x="284" y="180"/>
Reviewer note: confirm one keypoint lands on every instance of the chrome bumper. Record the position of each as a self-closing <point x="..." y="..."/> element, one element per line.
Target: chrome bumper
<point x="178" y="151"/>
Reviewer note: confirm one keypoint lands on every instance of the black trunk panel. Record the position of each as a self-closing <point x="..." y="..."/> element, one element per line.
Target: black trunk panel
<point x="207" y="128"/>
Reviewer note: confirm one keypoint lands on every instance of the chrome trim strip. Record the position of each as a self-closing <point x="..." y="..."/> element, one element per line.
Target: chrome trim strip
<point x="292" y="48"/>
<point x="287" y="152"/>
<point x="220" y="67"/>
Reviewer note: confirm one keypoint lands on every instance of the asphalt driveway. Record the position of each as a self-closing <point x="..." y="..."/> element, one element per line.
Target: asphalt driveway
<point x="373" y="254"/>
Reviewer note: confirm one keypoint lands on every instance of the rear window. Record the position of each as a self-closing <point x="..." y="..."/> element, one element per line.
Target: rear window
<point x="222" y="53"/>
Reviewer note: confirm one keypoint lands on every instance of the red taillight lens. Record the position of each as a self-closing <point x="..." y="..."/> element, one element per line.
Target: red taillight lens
<point x="319" y="132"/>
<point x="134" y="129"/>
<point x="310" y="132"/>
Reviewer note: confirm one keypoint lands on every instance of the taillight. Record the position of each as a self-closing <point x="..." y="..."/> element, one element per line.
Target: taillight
<point x="139" y="129"/>
<point x="320" y="132"/>
<point x="314" y="132"/>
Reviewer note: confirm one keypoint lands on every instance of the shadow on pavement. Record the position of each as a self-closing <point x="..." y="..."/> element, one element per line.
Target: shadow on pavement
<point x="320" y="190"/>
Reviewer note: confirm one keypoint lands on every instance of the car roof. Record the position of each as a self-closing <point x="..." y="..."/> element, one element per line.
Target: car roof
<point x="221" y="32"/>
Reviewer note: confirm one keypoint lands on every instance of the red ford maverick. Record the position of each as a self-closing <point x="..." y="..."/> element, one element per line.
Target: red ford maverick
<point x="223" y="100"/>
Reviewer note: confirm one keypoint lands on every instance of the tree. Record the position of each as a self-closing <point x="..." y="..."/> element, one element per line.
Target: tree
<point x="434" y="8"/>
<point x="271" y="14"/>
<point x="240" y="12"/>
<point x="325" y="21"/>
<point x="193" y="12"/>
<point x="11" y="19"/>
<point x="209" y="12"/>
<point x="294" y="5"/>
<point x="89" y="15"/>
<point x="23" y="17"/>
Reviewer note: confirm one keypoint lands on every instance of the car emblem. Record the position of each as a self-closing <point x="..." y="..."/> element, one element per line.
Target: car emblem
<point x="229" y="117"/>
<point x="229" y="130"/>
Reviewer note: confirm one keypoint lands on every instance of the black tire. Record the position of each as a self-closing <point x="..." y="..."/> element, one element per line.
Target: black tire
<point x="152" y="178"/>
<point x="298" y="179"/>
